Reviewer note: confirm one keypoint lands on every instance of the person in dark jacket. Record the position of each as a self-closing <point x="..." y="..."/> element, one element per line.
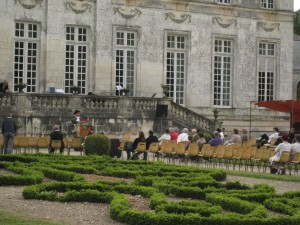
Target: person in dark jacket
<point x="9" y="129"/>
<point x="56" y="135"/>
<point x="151" y="138"/>
<point x="140" y="138"/>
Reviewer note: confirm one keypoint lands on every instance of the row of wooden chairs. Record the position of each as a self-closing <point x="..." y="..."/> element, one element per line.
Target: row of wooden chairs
<point x="34" y="144"/>
<point x="241" y="154"/>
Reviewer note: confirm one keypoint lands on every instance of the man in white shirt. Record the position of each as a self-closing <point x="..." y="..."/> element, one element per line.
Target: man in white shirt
<point x="166" y="136"/>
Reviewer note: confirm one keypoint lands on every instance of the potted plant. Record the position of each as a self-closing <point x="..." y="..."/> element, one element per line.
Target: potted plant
<point x="125" y="91"/>
<point x="216" y="112"/>
<point x="74" y="89"/>
<point x="20" y="86"/>
<point x="165" y="89"/>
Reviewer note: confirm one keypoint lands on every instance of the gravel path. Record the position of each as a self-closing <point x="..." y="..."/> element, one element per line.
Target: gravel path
<point x="70" y="213"/>
<point x="91" y="213"/>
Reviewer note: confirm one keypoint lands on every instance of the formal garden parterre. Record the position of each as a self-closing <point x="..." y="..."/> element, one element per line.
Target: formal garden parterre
<point x="202" y="197"/>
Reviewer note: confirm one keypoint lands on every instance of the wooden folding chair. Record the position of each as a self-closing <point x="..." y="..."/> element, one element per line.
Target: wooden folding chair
<point x="75" y="143"/>
<point x="22" y="144"/>
<point x="55" y="144"/>
<point x="32" y="144"/>
<point x="179" y="151"/>
<point x="153" y="149"/>
<point x="42" y="142"/>
<point x="192" y="153"/>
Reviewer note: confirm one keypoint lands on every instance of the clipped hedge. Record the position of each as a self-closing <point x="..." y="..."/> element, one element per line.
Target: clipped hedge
<point x="96" y="144"/>
<point x="205" y="201"/>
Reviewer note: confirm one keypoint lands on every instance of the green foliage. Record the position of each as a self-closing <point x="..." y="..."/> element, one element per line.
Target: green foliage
<point x="97" y="144"/>
<point x="297" y="22"/>
<point x="207" y="137"/>
<point x="206" y="200"/>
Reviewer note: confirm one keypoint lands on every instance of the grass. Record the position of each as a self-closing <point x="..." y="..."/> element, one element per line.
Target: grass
<point x="9" y="218"/>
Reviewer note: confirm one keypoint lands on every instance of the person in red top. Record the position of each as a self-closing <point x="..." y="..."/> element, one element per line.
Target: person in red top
<point x="173" y="134"/>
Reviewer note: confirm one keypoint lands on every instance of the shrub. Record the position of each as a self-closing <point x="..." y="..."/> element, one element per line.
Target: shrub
<point x="207" y="137"/>
<point x="96" y="144"/>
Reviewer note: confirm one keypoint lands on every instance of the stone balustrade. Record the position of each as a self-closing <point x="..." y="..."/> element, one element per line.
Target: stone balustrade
<point x="37" y="113"/>
<point x="191" y="118"/>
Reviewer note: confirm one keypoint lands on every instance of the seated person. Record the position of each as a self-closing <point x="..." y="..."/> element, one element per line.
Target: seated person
<point x="235" y="138"/>
<point x="264" y="139"/>
<point x="216" y="139"/>
<point x="140" y="138"/>
<point x="284" y="146"/>
<point x="201" y="140"/>
<point x="244" y="137"/>
<point x="295" y="148"/>
<point x="166" y="136"/>
<point x="184" y="136"/>
<point x="56" y="135"/>
<point x="194" y="136"/>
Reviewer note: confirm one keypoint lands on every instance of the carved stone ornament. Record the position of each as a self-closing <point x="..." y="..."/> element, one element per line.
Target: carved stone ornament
<point x="79" y="6"/>
<point x="29" y="4"/>
<point x="127" y="15"/>
<point x="269" y="28"/>
<point x="181" y="18"/>
<point x="224" y="24"/>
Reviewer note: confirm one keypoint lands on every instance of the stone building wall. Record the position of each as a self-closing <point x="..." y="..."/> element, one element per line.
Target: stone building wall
<point x="201" y="21"/>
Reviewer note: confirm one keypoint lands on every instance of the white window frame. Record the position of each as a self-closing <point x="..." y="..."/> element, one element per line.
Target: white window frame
<point x="268" y="56"/>
<point x="26" y="58"/>
<point x="222" y="85"/>
<point x="76" y="58"/>
<point x="176" y="61"/>
<point x="223" y="2"/>
<point x="126" y="43"/>
<point x="267" y="4"/>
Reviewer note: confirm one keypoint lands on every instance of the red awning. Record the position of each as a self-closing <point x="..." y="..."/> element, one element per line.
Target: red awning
<point x="288" y="106"/>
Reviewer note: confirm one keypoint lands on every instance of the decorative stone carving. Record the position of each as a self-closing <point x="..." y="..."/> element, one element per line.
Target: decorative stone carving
<point x="268" y="27"/>
<point x="127" y="15"/>
<point x="29" y="4"/>
<point x="181" y="18"/>
<point x="79" y="6"/>
<point x="224" y="24"/>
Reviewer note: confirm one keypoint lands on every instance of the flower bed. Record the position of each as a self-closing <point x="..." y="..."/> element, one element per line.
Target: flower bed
<point x="203" y="198"/>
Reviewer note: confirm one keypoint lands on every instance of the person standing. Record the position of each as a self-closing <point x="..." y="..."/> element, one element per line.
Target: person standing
<point x="4" y="87"/>
<point x="56" y="135"/>
<point x="9" y="128"/>
<point x="76" y="120"/>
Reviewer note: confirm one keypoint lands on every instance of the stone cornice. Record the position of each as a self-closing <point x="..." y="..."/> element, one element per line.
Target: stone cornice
<point x="268" y="27"/>
<point x="28" y="4"/>
<point x="179" y="19"/>
<point x="79" y="6"/>
<point x="225" y="24"/>
<point x="127" y="14"/>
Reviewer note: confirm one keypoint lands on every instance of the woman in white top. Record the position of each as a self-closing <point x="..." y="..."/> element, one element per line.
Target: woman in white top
<point x="184" y="136"/>
<point x="284" y="146"/>
<point x="166" y="136"/>
<point x="295" y="147"/>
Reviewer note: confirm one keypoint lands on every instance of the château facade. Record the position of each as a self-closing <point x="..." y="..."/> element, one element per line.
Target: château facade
<point x="210" y="53"/>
